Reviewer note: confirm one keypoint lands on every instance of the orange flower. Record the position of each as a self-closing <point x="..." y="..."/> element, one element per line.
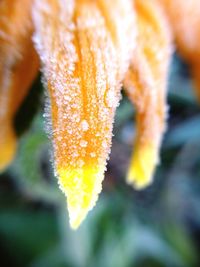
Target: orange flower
<point x="86" y="48"/>
<point x="18" y="62"/>
<point x="145" y="83"/>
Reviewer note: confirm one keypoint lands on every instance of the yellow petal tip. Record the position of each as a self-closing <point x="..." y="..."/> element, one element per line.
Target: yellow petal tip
<point x="77" y="216"/>
<point x="142" y="166"/>
<point x="82" y="187"/>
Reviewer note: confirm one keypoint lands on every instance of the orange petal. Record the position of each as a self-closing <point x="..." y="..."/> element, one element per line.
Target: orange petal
<point x="18" y="67"/>
<point x="184" y="17"/>
<point x="146" y="86"/>
<point x="80" y="48"/>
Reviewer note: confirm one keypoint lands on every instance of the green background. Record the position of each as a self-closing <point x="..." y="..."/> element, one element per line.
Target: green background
<point x="156" y="227"/>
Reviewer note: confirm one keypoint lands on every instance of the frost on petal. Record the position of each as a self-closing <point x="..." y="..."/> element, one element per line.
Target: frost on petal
<point x="184" y="18"/>
<point x="79" y="47"/>
<point x="18" y="67"/>
<point x="120" y="20"/>
<point x="145" y="84"/>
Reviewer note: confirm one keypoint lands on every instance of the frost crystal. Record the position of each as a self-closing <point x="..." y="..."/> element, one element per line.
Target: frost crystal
<point x="83" y="143"/>
<point x="84" y="125"/>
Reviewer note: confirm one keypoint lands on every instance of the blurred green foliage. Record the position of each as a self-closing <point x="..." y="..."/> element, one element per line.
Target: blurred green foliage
<point x="157" y="227"/>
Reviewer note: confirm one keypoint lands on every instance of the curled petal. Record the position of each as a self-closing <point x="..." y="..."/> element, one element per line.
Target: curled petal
<point x="18" y="67"/>
<point x="145" y="84"/>
<point x="80" y="48"/>
<point x="184" y="18"/>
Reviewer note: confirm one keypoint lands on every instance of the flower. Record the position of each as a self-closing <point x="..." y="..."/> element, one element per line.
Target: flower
<point x="87" y="49"/>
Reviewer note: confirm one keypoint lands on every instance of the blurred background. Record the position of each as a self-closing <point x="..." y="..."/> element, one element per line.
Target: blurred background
<point x="156" y="227"/>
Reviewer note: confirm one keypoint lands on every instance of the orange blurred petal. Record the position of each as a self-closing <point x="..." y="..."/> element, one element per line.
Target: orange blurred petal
<point x="18" y="67"/>
<point x="146" y="86"/>
<point x="184" y="17"/>
<point x="85" y="52"/>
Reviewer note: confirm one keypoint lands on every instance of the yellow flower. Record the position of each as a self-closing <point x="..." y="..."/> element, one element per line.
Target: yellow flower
<point x="87" y="50"/>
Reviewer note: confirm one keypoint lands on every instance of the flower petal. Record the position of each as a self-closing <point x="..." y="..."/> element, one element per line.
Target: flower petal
<point x="80" y="48"/>
<point x="18" y="67"/>
<point x="184" y="18"/>
<point x="146" y="86"/>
